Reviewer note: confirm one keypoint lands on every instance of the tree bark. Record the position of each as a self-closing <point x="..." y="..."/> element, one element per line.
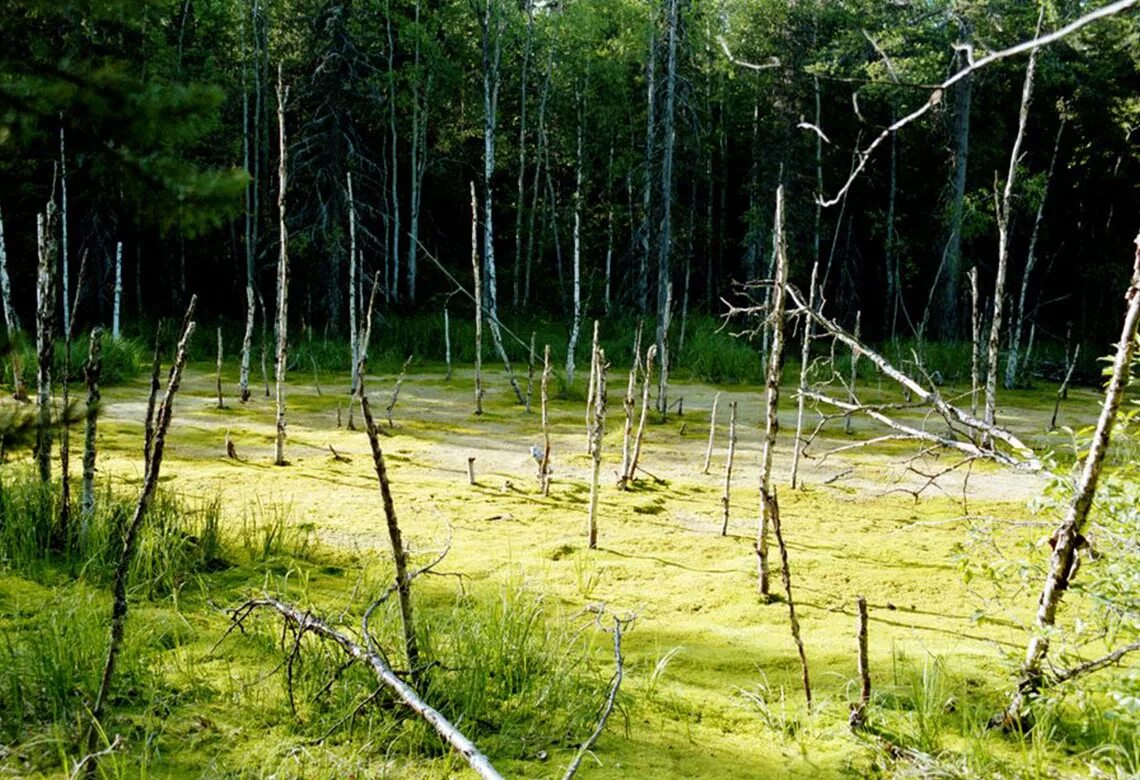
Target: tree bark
<point x="131" y="532"/>
<point x="576" y="320"/>
<point x="646" y="231"/>
<point x="394" y="166"/>
<point x="544" y="464"/>
<point x="282" y="279"/>
<point x="478" y="302"/>
<point x="91" y="374"/>
<point x="724" y="499"/>
<point x="665" y="240"/>
<point x="805" y="362"/>
<point x="353" y="282"/>
<point x="1003" y="236"/>
<point x="597" y="433"/>
<point x="773" y="512"/>
<point x="250" y="250"/>
<point x="45" y="343"/>
<point x="961" y="131"/>
<point x="712" y="434"/>
<point x="976" y="342"/>
<point x="419" y="158"/>
<point x="521" y="197"/>
<point x="221" y="402"/>
<point x="854" y="372"/>
<point x="630" y="405"/>
<point x="631" y="472"/>
<point x="64" y="275"/>
<point x="775" y="369"/>
<point x="1068" y="538"/>
<point x="11" y="321"/>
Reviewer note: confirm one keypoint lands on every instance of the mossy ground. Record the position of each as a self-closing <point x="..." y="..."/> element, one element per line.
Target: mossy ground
<point x="712" y="677"/>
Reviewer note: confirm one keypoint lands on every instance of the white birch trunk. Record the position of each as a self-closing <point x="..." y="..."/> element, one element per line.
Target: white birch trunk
<point x="63" y="255"/>
<point x="11" y="321"/>
<point x="353" y="282"/>
<point x="576" y="322"/>
<point x="394" y="172"/>
<point x="282" y="278"/>
<point x="118" y="304"/>
<point x="712" y="434"/>
<point x="478" y="302"/>
<point x="805" y="362"/>
<point x="665" y="240"/>
<point x="521" y="196"/>
<point x="597" y="434"/>
<point x="45" y="317"/>
<point x="724" y="499"/>
<point x="91" y="374"/>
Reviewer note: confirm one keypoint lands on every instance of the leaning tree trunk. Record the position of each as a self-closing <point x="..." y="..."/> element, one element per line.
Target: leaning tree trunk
<point x="665" y="239"/>
<point x="282" y="279"/>
<point x="1003" y="240"/>
<point x="492" y="23"/>
<point x="45" y="344"/>
<point x="775" y="367"/>
<point x="91" y="374"/>
<point x="1069" y="537"/>
<point x="1013" y="366"/>
<point x="11" y="321"/>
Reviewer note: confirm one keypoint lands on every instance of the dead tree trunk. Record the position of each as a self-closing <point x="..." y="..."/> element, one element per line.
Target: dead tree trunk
<point x="91" y="374"/>
<point x="130" y="534"/>
<point x="221" y="403"/>
<point x="391" y="407"/>
<point x="665" y="240"/>
<point x="1068" y="539"/>
<point x="399" y="554"/>
<point x="544" y="464"/>
<point x="775" y="369"/>
<point x="249" y="217"/>
<point x="597" y="433"/>
<point x="854" y="373"/>
<point x="629" y="403"/>
<point x="590" y="408"/>
<point x="118" y="304"/>
<point x="724" y="500"/>
<point x="648" y="382"/>
<point x="65" y="275"/>
<point x="11" y="321"/>
<point x="1014" y="366"/>
<point x="859" y="709"/>
<point x="1063" y="390"/>
<point x="576" y="319"/>
<point x="1003" y="236"/>
<point x="419" y="157"/>
<point x="712" y="434"/>
<point x="478" y="302"/>
<point x="520" y="199"/>
<point x="447" y="339"/>
<point x="282" y="279"/>
<point x="45" y="343"/>
<point x="530" y="371"/>
<point x="773" y="505"/>
<point x="976" y="344"/>
<point x="353" y="293"/>
<point x="805" y="363"/>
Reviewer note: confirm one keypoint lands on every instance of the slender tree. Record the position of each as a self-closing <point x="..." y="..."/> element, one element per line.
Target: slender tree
<point x="282" y="276"/>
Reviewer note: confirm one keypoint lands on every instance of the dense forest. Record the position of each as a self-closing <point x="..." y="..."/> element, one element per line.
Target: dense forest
<point x="634" y="145"/>
<point x="332" y="467"/>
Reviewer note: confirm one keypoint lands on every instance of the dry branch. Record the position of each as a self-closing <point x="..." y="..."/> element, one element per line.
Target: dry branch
<point x="712" y="434"/>
<point x="611" y="700"/>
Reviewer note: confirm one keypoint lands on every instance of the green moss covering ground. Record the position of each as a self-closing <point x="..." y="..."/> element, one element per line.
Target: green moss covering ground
<point x="712" y="678"/>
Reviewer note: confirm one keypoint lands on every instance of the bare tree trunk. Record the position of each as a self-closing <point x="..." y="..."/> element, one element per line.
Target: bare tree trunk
<point x="648" y="382"/>
<point x="775" y="369"/>
<point x="894" y="280"/>
<point x="394" y="167"/>
<point x="221" y="403"/>
<point x="250" y="250"/>
<point x="521" y="197"/>
<point x="1003" y="236"/>
<point x="949" y="281"/>
<point x="447" y="341"/>
<point x="264" y="348"/>
<point x="399" y="554"/>
<point x="590" y="406"/>
<point x="665" y="243"/>
<point x="1013" y="366"/>
<point x="117" y="307"/>
<point x="544" y="464"/>
<point x="712" y="434"/>
<point x="91" y="373"/>
<point x="1063" y="390"/>
<point x="419" y="157"/>
<point x="597" y="433"/>
<point x="131" y="532"/>
<point x="976" y="344"/>
<point x="609" y="229"/>
<point x="282" y="279"/>
<point x="1068" y="538"/>
<point x="45" y="317"/>
<point x="646" y="232"/>
<point x="858" y="710"/>
<point x="152" y="397"/>
<point x="65" y="275"/>
<point x="540" y="155"/>
<point x="854" y="373"/>
<point x="493" y="23"/>
<point x="805" y="363"/>
<point x="576" y="321"/>
<point x="773" y="512"/>
<point x="11" y="321"/>
<point x="724" y="500"/>
<point x="478" y="302"/>
<point x="530" y="371"/>
<point x="353" y="282"/>
<point x="630" y="405"/>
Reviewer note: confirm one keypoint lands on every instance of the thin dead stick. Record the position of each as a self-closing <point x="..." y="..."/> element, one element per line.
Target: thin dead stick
<point x="629" y="403"/>
<point x="1095" y="665"/>
<point x="116" y="743"/>
<point x="530" y="371"/>
<point x="854" y="373"/>
<point x="152" y="399"/>
<point x="976" y="328"/>
<point x="805" y="366"/>
<point x="221" y="403"/>
<point x="591" y="391"/>
<point x="597" y="434"/>
<point x="858" y="711"/>
<point x="611" y="700"/>
<point x="478" y="302"/>
<point x="773" y="505"/>
<point x="1062" y="391"/>
<point x="544" y="464"/>
<point x="91" y="373"/>
<point x="724" y="500"/>
<point x="470" y="469"/>
<point x="399" y="554"/>
<point x="130" y="535"/>
<point x="936" y="95"/>
<point x="636" y="456"/>
<point x="712" y="433"/>
<point x="307" y="623"/>
<point x="396" y="390"/>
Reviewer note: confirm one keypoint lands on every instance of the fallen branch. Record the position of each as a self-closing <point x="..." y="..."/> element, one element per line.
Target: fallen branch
<point x="611" y="699"/>
<point x="303" y="622"/>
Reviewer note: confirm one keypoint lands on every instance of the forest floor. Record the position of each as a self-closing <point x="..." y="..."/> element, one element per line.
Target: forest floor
<point x="712" y="679"/>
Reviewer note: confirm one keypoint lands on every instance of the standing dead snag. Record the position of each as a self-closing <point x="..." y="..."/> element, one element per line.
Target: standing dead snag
<point x="282" y="279"/>
<point x="1068" y="538"/>
<point x="805" y="364"/>
<point x="544" y="463"/>
<point x="1063" y="390"/>
<point x="611" y="699"/>
<point x="221" y="403"/>
<point x="597" y="432"/>
<point x="629" y="403"/>
<point x="45" y="343"/>
<point x="130" y="536"/>
<point x="91" y="373"/>
<point x="590" y="405"/>
<point x="478" y="302"/>
<point x="152" y="397"/>
<point x="775" y="368"/>
<point x="854" y="373"/>
<point x="304" y="622"/>
<point x="530" y="372"/>
<point x="396" y="390"/>
<point x="11" y="321"/>
<point x="628" y="476"/>
<point x="399" y="554"/>
<point x="712" y="433"/>
<point x="976" y="330"/>
<point x="859" y="709"/>
<point x="772" y="506"/>
<point x="727" y="465"/>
